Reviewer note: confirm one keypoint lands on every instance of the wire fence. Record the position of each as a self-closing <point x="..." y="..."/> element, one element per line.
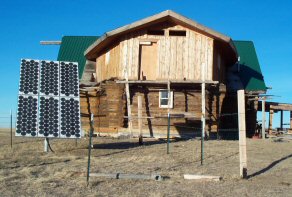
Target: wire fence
<point x="7" y="120"/>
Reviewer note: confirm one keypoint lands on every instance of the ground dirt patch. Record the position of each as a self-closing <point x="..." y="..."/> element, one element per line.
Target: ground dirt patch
<point x="25" y="170"/>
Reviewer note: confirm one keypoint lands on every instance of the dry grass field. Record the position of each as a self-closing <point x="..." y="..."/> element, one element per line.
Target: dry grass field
<point x="25" y="170"/>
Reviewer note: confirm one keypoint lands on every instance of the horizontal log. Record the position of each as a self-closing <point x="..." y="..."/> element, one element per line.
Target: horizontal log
<point x="155" y="177"/>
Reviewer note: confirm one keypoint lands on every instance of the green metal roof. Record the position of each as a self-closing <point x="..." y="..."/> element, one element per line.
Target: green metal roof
<point x="250" y="71"/>
<point x="72" y="49"/>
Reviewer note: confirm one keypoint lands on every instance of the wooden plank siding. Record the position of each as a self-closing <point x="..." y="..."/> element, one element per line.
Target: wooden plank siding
<point x="179" y="56"/>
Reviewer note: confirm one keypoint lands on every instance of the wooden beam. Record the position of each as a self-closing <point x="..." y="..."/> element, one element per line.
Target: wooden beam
<point x="166" y="81"/>
<point x="280" y="106"/>
<point x="50" y="42"/>
<point x="242" y="134"/>
<point x="202" y="177"/>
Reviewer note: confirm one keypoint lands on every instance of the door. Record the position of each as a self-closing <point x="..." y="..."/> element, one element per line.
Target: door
<point x="148" y="61"/>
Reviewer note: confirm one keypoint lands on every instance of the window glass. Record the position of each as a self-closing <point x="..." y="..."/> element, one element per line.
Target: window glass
<point x="164" y="94"/>
<point x="163" y="101"/>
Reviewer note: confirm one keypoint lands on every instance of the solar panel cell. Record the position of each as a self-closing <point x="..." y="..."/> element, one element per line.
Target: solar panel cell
<point x="26" y="124"/>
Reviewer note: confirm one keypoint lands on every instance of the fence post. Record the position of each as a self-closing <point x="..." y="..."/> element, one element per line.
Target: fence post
<point x="11" y="128"/>
<point x="242" y="134"/>
<point x="168" y="131"/>
<point x="89" y="147"/>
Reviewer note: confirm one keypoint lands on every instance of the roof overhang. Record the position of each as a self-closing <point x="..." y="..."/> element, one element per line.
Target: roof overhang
<point x="108" y="37"/>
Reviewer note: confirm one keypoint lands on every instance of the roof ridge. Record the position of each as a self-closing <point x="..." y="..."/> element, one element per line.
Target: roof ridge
<point x="156" y="18"/>
<point x="243" y="41"/>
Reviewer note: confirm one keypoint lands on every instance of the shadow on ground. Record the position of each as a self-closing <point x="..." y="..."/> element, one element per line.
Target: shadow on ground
<point x="128" y="145"/>
<point x="273" y="164"/>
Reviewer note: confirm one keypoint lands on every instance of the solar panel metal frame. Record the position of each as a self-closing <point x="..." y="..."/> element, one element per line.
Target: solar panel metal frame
<point x="41" y="93"/>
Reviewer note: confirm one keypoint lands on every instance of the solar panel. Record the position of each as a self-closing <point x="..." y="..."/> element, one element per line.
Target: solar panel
<point x="48" y="117"/>
<point x="29" y="77"/>
<point x="48" y="101"/>
<point x="27" y="110"/>
<point x="49" y="78"/>
<point x="70" y="117"/>
<point x="69" y="82"/>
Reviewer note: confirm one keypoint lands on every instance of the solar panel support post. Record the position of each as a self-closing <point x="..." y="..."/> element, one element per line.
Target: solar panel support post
<point x="89" y="147"/>
<point x="46" y="145"/>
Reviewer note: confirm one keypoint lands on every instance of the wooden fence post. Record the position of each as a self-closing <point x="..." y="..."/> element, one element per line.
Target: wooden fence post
<point x="263" y="118"/>
<point x="242" y="134"/>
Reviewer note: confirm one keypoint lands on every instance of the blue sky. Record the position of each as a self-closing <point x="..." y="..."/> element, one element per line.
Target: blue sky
<point x="25" y="23"/>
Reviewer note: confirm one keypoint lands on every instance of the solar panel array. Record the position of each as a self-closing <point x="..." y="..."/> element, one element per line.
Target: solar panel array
<point x="48" y="99"/>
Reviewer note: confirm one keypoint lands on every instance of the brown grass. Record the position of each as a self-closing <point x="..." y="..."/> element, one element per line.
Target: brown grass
<point x="26" y="170"/>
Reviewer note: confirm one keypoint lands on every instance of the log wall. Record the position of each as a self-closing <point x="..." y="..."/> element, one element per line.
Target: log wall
<point x="107" y="105"/>
<point x="109" y="108"/>
<point x="186" y="99"/>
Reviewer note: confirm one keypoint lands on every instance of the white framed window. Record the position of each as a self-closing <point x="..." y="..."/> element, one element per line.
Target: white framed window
<point x="163" y="99"/>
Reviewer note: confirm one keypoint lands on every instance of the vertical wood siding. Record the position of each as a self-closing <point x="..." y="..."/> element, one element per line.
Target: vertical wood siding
<point x="179" y="56"/>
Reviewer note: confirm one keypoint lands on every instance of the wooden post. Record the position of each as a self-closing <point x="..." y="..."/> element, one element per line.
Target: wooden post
<point x="140" y="119"/>
<point x="271" y="115"/>
<point x="129" y="109"/>
<point x="203" y="112"/>
<point x="263" y="118"/>
<point x="281" y="120"/>
<point x="130" y="125"/>
<point x="242" y="134"/>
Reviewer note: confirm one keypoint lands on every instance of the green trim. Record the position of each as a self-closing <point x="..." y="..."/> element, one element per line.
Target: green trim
<point x="72" y="49"/>
<point x="250" y="72"/>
